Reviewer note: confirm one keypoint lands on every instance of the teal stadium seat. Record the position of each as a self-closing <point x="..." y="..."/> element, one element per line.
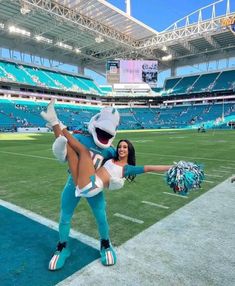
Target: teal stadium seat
<point x="105" y="90"/>
<point x="35" y="76"/>
<point x="204" y="83"/>
<point x="225" y="81"/>
<point x="169" y="85"/>
<point x="184" y="85"/>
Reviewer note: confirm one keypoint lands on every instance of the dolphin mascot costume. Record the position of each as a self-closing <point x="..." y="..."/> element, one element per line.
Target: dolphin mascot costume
<point x="102" y="131"/>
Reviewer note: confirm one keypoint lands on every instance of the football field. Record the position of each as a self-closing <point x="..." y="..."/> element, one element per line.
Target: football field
<point x="33" y="179"/>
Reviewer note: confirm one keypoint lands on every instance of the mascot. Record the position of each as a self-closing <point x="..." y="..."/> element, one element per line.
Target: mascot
<point x="102" y="130"/>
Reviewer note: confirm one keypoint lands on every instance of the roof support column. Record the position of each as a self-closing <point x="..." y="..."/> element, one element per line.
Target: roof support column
<point x="81" y="69"/>
<point x="173" y="70"/>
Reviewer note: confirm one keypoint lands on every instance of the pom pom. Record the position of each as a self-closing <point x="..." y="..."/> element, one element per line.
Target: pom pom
<point x="184" y="176"/>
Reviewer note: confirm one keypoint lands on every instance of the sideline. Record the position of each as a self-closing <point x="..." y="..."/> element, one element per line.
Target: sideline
<point x="51" y="224"/>
<point x="192" y="246"/>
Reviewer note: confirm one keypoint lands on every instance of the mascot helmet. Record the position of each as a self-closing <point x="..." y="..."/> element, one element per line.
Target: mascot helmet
<point x="103" y="126"/>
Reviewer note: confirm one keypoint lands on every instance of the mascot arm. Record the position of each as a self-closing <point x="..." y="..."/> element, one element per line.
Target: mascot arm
<point x="59" y="147"/>
<point x="110" y="153"/>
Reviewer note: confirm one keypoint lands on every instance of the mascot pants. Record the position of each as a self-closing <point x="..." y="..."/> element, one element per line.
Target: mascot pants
<point x="68" y="205"/>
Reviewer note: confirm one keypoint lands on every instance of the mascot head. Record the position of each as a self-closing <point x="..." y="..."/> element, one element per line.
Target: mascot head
<point x="103" y="126"/>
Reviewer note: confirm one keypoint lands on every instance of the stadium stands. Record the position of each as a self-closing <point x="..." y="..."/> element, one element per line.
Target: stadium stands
<point x="204" y="82"/>
<point x="201" y="83"/>
<point x="106" y="89"/>
<point x="19" y="113"/>
<point x="16" y="113"/>
<point x="225" y="81"/>
<point x="38" y="77"/>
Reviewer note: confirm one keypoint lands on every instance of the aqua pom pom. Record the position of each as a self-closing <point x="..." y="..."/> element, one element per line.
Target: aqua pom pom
<point x="184" y="176"/>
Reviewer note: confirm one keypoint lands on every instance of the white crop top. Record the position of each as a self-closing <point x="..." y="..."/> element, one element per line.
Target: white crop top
<point x="117" y="173"/>
<point x="113" y="169"/>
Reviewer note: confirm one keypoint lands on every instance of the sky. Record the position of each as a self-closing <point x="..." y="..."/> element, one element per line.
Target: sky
<point x="160" y="14"/>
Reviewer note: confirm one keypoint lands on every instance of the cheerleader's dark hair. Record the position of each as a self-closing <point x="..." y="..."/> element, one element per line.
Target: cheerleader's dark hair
<point x="131" y="156"/>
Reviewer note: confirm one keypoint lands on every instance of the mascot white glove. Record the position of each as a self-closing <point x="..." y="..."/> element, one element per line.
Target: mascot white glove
<point x="51" y="117"/>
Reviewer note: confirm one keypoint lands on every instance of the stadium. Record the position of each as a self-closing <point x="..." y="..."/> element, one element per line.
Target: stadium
<point x="161" y="238"/>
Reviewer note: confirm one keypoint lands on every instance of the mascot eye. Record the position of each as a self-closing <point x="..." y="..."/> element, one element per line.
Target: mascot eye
<point x="97" y="117"/>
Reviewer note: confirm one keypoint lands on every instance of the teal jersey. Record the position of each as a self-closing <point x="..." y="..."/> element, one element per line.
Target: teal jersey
<point x="97" y="154"/>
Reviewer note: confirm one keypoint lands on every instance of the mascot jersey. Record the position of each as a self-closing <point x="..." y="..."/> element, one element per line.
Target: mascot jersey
<point x="97" y="154"/>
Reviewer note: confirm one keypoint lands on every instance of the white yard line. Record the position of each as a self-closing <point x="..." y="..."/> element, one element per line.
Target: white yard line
<point x="227" y="167"/>
<point x="193" y="158"/>
<point x="28" y="155"/>
<point x="129" y="218"/>
<point x="211" y="182"/>
<point x="221" y="171"/>
<point x="155" y="205"/>
<point x="158" y="174"/>
<point x="172" y="194"/>
<point x="213" y="175"/>
<point x="50" y="224"/>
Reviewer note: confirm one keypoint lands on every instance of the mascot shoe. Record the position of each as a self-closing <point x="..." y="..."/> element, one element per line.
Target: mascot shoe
<point x="107" y="253"/>
<point x="58" y="259"/>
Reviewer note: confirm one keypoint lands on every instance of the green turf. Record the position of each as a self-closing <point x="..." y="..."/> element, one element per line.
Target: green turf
<point x="33" y="179"/>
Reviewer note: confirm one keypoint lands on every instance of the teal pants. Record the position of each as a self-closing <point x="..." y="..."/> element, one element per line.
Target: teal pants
<point x="68" y="205"/>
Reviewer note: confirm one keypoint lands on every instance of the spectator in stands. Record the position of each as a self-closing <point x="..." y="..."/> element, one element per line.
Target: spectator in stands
<point x="201" y="129"/>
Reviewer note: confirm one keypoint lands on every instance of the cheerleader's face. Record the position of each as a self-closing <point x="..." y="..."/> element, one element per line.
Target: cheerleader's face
<point x="123" y="150"/>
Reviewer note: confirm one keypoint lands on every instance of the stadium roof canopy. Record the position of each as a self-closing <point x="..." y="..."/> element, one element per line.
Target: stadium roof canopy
<point x="88" y="32"/>
<point x="81" y="32"/>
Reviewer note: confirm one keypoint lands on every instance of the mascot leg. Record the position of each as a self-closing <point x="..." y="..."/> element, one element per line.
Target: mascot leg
<point x="68" y="205"/>
<point x="98" y="206"/>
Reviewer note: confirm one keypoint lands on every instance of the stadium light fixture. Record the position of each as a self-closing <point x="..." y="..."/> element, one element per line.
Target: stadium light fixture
<point x="15" y="30"/>
<point x="25" y="10"/>
<point x="43" y="39"/>
<point x="64" y="46"/>
<point x="99" y="39"/>
<point x="164" y="48"/>
<point x="166" y="58"/>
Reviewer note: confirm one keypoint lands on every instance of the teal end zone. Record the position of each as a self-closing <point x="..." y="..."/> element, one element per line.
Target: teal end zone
<point x="26" y="248"/>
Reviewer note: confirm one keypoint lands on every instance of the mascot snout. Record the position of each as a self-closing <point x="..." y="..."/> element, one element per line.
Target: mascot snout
<point x="103" y="126"/>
